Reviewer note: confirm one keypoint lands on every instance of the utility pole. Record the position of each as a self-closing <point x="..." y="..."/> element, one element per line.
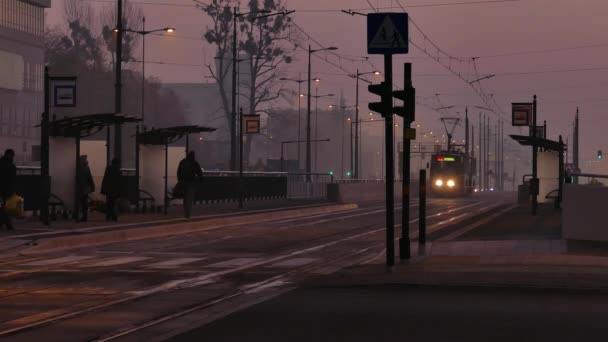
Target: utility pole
<point x="487" y="142"/>
<point x="480" y="160"/>
<point x="466" y="132"/>
<point x="473" y="166"/>
<point x="233" y="114"/>
<point x="576" y="149"/>
<point x="356" y="170"/>
<point x="118" y="83"/>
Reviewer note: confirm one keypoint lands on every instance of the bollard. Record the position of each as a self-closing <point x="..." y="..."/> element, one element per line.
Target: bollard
<point x="422" y="209"/>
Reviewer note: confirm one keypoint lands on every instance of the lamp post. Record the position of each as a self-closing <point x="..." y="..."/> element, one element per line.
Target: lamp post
<point x="308" y="97"/>
<point x="357" y="77"/>
<point x="342" y="137"/>
<point x="299" y="81"/>
<point x="143" y="34"/>
<point x="317" y="96"/>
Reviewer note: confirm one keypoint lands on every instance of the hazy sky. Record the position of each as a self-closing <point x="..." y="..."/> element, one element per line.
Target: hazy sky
<point x="474" y="30"/>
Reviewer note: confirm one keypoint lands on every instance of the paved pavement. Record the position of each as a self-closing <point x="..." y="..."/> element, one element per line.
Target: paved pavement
<point x="157" y="288"/>
<point x="398" y="313"/>
<point x="500" y="277"/>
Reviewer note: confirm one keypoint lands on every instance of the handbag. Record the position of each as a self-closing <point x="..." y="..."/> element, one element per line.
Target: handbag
<point x="178" y="190"/>
<point x="14" y="206"/>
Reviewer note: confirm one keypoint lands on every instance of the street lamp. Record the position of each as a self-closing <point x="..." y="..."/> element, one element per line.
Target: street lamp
<point x="357" y="77"/>
<point x="342" y="131"/>
<point x="299" y="81"/>
<point x="317" y="97"/>
<point x="310" y="52"/>
<point x="143" y="34"/>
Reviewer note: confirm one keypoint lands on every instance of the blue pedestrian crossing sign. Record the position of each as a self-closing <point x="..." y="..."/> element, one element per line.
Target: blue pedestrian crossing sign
<point x="387" y="33"/>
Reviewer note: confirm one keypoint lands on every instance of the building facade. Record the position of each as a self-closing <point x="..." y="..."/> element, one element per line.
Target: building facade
<point x="21" y="76"/>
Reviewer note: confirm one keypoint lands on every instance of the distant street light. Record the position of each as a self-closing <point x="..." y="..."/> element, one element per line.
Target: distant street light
<point x="308" y="147"/>
<point x="299" y="81"/>
<point x="143" y="34"/>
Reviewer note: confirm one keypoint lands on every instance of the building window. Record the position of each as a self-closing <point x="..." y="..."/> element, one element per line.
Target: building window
<point x="22" y="16"/>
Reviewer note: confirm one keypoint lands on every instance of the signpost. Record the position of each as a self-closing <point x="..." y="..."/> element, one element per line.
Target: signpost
<point x="522" y="114"/>
<point x="387" y="34"/>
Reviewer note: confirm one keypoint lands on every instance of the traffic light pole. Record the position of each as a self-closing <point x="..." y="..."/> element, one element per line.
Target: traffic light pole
<point x="390" y="170"/>
<point x="408" y="116"/>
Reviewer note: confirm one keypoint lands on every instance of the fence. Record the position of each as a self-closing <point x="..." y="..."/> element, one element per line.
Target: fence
<point x="308" y="186"/>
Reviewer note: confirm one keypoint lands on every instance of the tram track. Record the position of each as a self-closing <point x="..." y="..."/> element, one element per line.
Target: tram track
<point x="131" y="296"/>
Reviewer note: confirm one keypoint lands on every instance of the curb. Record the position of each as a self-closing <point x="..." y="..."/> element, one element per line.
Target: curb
<point x="132" y="234"/>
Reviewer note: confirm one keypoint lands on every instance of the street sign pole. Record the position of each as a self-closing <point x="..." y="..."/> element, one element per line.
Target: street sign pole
<point x="387" y="34"/>
<point x="390" y="169"/>
<point x="534" y="184"/>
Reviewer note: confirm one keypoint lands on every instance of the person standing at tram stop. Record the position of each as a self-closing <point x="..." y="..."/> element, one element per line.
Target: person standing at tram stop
<point x="8" y="176"/>
<point x="110" y="187"/>
<point x="85" y="186"/>
<point x="188" y="171"/>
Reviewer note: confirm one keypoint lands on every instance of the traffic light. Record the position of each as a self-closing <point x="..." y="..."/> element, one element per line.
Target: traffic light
<point x="348" y="173"/>
<point x="599" y="155"/>
<point x="384" y="107"/>
<point x="407" y="95"/>
<point x="331" y="173"/>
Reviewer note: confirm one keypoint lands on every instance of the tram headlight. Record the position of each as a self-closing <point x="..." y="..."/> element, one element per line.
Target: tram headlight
<point x="439" y="182"/>
<point x="451" y="183"/>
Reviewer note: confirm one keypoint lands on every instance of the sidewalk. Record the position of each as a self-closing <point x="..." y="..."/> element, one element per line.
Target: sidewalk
<point x="514" y="249"/>
<point x="31" y="233"/>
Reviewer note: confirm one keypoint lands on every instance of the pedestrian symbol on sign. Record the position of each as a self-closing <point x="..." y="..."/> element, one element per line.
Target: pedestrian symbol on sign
<point x="387" y="33"/>
<point x="388" y="36"/>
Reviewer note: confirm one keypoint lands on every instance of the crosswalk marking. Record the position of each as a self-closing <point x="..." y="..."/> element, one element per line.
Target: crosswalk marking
<point x="235" y="262"/>
<point x="117" y="261"/>
<point x="174" y="262"/>
<point x="294" y="262"/>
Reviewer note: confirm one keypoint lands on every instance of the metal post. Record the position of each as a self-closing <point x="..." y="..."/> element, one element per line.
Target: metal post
<point x="234" y="84"/>
<point x="78" y="181"/>
<point x="187" y="144"/>
<point x="137" y="170"/>
<point x="299" y="114"/>
<point x="143" y="72"/>
<point x="480" y="161"/>
<point x="44" y="151"/>
<point x="422" y="209"/>
<point x="352" y="155"/>
<point x="390" y="170"/>
<point x="534" y="182"/>
<point x="487" y="153"/>
<point x="342" y="146"/>
<point x="496" y="161"/>
<point x="558" y="203"/>
<point x="308" y="154"/>
<point x="118" y="87"/>
<point x="404" y="241"/>
<point x="575" y="153"/>
<point x="241" y="188"/>
<point x="166" y="203"/>
<point x="473" y="166"/>
<point x="108" y="146"/>
<point x="356" y="170"/>
<point x="316" y="127"/>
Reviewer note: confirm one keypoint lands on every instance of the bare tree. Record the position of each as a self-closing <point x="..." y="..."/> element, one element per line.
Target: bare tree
<point x="132" y="19"/>
<point x="262" y="39"/>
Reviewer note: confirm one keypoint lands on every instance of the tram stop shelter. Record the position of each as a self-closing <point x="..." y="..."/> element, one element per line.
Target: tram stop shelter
<point x="65" y="135"/>
<point x="155" y="147"/>
<point x="550" y="166"/>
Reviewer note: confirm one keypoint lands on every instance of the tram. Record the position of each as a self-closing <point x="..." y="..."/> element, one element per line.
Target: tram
<point x="452" y="174"/>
